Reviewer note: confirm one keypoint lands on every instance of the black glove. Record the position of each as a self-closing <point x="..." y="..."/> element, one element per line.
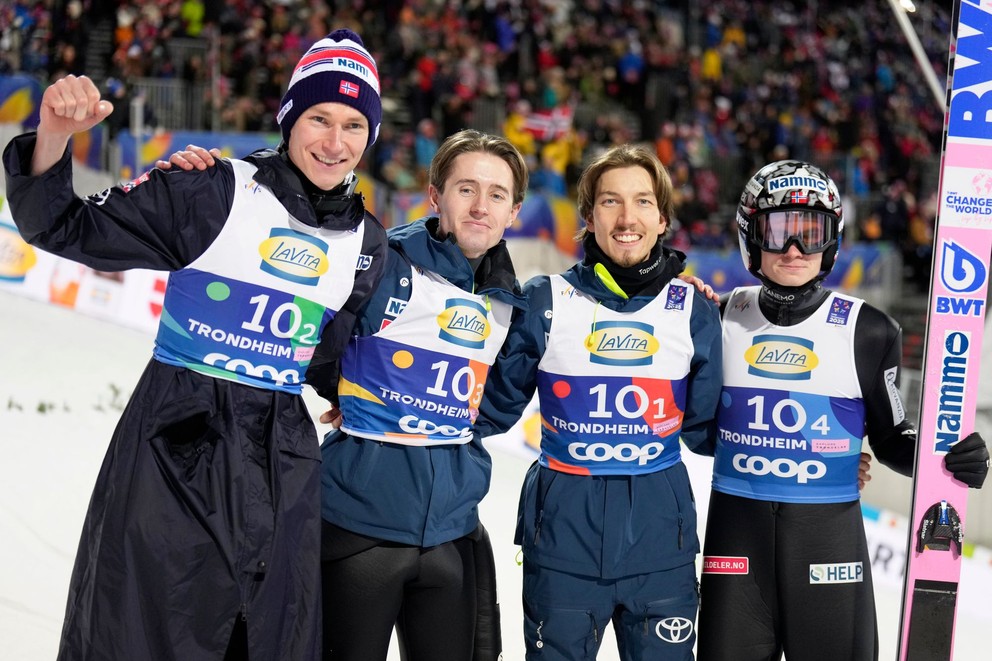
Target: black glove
<point x="968" y="460"/>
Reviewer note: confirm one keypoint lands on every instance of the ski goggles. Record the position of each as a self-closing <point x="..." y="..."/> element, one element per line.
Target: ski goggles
<point x="811" y="231"/>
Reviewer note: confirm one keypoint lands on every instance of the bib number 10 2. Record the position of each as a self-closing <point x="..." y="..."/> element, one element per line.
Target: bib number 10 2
<point x="278" y="319"/>
<point x="783" y="411"/>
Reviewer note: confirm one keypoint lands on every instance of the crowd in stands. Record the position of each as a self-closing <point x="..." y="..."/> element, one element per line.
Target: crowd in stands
<point x="719" y="87"/>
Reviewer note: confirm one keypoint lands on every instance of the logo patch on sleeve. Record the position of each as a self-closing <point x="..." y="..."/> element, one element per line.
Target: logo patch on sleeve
<point x="725" y="564"/>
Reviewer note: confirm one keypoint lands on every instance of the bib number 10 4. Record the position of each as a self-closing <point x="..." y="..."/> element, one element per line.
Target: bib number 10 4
<point x="781" y="414"/>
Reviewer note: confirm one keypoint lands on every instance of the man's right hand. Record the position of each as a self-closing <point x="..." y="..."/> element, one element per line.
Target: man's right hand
<point x="331" y="417"/>
<point x="68" y="106"/>
<point x="71" y="105"/>
<point x="193" y="157"/>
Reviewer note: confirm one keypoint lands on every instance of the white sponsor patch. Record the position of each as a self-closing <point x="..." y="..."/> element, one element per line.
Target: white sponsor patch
<point x="839" y="572"/>
<point x="895" y="401"/>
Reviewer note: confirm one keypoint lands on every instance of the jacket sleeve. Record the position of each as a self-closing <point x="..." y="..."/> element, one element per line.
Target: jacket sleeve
<point x="705" y="377"/>
<point x="878" y="354"/>
<point x="513" y="378"/>
<point x="163" y="220"/>
<point x="325" y="366"/>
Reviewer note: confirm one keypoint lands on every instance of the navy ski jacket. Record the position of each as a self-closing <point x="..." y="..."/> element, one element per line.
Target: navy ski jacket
<point x="616" y="525"/>
<point x="422" y="496"/>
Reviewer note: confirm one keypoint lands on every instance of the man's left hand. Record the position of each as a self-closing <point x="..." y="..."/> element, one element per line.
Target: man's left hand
<point x="968" y="460"/>
<point x="703" y="288"/>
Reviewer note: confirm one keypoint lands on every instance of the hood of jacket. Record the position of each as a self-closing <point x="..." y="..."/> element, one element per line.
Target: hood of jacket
<point x="494" y="276"/>
<point x="336" y="212"/>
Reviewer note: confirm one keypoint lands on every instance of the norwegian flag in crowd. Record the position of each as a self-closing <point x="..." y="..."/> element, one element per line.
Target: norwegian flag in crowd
<point x="549" y="124"/>
<point x="798" y="197"/>
<point x="348" y="88"/>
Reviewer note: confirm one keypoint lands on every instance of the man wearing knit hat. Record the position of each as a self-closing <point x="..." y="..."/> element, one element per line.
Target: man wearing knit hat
<point x="402" y="545"/>
<point x="202" y="538"/>
<point x="337" y="68"/>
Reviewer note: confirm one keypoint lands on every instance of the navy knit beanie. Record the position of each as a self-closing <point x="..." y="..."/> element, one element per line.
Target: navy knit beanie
<point x="335" y="69"/>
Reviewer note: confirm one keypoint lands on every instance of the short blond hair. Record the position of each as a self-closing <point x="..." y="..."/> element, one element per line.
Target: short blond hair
<point x="625" y="156"/>
<point x="470" y="141"/>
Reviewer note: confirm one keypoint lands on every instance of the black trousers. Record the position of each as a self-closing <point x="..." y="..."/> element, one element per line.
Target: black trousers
<point x="785" y="577"/>
<point x="429" y="594"/>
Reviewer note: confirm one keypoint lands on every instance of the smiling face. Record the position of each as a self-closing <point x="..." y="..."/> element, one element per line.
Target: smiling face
<point x="625" y="216"/>
<point x="791" y="268"/>
<point x="327" y="142"/>
<point x="475" y="203"/>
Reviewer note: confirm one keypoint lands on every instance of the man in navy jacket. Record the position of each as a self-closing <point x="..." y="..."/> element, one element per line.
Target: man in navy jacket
<point x="626" y="360"/>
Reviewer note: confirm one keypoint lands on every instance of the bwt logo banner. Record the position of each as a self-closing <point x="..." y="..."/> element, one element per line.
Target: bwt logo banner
<point x="961" y="272"/>
<point x="969" y="112"/>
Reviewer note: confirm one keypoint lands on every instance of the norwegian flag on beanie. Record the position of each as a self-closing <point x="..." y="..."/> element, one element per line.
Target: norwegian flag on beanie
<point x="336" y="69"/>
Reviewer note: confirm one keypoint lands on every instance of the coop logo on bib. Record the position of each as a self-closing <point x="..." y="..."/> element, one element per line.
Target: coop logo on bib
<point x="621" y="343"/>
<point x="293" y="256"/>
<point x="781" y="357"/>
<point x="464" y="323"/>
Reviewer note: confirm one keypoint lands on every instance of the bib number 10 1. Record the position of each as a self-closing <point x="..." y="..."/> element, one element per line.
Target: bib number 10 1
<point x="641" y="399"/>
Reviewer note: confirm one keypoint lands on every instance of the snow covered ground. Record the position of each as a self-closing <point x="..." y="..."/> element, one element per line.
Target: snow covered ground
<point x="63" y="378"/>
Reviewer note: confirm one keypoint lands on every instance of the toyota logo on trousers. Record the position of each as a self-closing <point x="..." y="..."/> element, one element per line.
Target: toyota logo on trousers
<point x="804" y="471"/>
<point x="674" y="629"/>
<point x="619" y="452"/>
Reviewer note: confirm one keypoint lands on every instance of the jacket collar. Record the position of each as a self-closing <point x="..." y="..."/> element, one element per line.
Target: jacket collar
<point x="495" y="275"/>
<point x="275" y="173"/>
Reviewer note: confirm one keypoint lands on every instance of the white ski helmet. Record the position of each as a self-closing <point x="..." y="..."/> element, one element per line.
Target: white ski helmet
<point x="785" y="203"/>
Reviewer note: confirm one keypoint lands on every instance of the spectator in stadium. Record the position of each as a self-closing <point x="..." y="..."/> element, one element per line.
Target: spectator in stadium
<point x="425" y="145"/>
<point x="606" y="519"/>
<point x="808" y="373"/>
<point x="202" y="538"/>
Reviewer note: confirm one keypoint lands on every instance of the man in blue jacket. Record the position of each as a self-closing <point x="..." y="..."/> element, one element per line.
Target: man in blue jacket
<point x="201" y="541"/>
<point x="403" y="476"/>
<point x="626" y="360"/>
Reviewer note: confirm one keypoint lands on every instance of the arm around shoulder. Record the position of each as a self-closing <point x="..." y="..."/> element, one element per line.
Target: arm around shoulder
<point x="512" y="380"/>
<point x="705" y="377"/>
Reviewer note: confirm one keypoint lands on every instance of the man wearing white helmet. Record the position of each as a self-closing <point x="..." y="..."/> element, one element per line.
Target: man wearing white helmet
<point x="808" y="373"/>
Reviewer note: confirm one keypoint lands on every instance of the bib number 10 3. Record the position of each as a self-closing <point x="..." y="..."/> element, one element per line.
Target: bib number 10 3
<point x="462" y="384"/>
<point x="787" y="415"/>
